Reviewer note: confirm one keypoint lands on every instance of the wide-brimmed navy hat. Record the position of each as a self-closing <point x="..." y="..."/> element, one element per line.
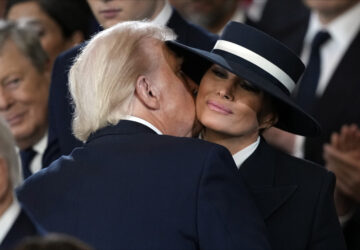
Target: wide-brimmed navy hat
<point x="263" y="61"/>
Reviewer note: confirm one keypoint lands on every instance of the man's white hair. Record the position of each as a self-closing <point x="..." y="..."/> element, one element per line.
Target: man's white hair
<point x="9" y="154"/>
<point x="103" y="77"/>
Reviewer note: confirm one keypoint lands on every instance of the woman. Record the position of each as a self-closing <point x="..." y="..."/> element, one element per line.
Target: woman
<point x="245" y="90"/>
<point x="61" y="24"/>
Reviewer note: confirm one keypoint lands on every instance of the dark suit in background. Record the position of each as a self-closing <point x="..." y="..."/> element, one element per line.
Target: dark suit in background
<point x="61" y="141"/>
<point x="295" y="198"/>
<point x="129" y="188"/>
<point x="284" y="20"/>
<point x="23" y="227"/>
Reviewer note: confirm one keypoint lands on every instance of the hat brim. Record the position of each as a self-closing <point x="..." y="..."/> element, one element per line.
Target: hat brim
<point x="291" y="117"/>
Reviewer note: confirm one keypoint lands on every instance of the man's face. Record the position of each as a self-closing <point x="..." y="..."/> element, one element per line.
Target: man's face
<point x="23" y="96"/>
<point x="111" y="12"/>
<point x="177" y="100"/>
<point x="330" y="7"/>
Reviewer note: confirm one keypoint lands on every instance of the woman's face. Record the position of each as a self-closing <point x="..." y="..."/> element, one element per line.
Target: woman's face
<point x="51" y="37"/>
<point x="228" y="105"/>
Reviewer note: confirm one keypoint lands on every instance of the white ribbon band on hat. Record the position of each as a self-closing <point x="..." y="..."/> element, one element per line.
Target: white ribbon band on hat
<point x="258" y="60"/>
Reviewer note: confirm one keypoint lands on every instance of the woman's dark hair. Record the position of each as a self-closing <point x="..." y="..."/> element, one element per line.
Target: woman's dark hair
<point x="270" y="106"/>
<point x="70" y="15"/>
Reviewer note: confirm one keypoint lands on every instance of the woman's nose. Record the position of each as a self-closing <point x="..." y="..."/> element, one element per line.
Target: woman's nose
<point x="225" y="93"/>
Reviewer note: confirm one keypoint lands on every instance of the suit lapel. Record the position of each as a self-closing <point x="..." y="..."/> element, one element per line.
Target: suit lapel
<point x="258" y="172"/>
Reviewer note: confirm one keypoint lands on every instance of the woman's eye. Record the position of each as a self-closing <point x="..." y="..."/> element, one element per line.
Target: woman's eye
<point x="248" y="86"/>
<point x="219" y="73"/>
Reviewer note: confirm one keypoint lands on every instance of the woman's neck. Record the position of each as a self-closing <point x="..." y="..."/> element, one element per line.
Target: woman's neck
<point x="233" y="143"/>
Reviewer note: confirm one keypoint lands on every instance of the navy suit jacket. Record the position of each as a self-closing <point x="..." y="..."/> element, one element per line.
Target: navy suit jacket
<point x="129" y="188"/>
<point x="295" y="198"/>
<point x="22" y="227"/>
<point x="60" y="140"/>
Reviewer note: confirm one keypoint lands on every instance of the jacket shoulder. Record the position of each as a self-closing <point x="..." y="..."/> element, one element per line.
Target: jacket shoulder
<point x="300" y="169"/>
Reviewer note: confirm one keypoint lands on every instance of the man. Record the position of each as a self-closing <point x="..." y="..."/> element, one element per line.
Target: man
<point x="25" y="78"/>
<point x="61" y="140"/>
<point x="134" y="185"/>
<point x="14" y="223"/>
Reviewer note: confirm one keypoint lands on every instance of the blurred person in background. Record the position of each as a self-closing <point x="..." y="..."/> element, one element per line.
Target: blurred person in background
<point x="342" y="156"/>
<point x="2" y="8"/>
<point x="272" y="16"/>
<point x="15" y="224"/>
<point x="60" y="24"/>
<point x="211" y="14"/>
<point x="25" y="79"/>
<point x="61" y="139"/>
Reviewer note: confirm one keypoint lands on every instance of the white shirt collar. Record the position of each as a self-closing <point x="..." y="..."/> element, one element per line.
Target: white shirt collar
<point x="164" y="15"/>
<point x="8" y="219"/>
<point x="243" y="154"/>
<point x="342" y="30"/>
<point x="39" y="148"/>
<point x="143" y="122"/>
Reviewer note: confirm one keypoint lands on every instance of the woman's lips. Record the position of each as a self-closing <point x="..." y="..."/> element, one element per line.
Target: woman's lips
<point x="110" y="13"/>
<point x="219" y="108"/>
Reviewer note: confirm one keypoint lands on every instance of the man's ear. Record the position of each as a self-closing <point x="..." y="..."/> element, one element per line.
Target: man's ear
<point x="147" y="92"/>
